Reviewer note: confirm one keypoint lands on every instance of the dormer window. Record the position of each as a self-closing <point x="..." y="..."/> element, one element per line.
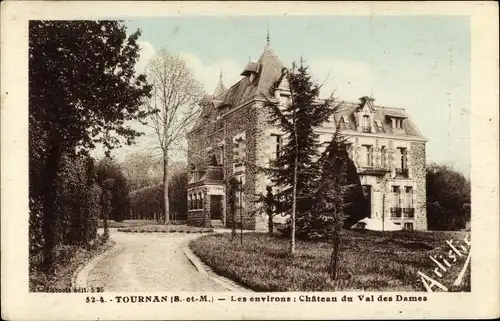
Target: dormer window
<point x="251" y="70"/>
<point x="343" y="123"/>
<point x="397" y="123"/>
<point x="366" y="124"/>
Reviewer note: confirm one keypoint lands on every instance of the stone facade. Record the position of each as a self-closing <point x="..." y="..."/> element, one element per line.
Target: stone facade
<point x="233" y="135"/>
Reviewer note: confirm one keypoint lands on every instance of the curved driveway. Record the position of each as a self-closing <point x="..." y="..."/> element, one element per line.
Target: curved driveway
<point x="148" y="262"/>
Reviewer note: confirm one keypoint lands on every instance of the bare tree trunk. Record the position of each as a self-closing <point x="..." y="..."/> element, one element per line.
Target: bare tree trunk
<point x="165" y="187"/>
<point x="335" y="256"/>
<point x="294" y="208"/>
<point x="294" y="190"/>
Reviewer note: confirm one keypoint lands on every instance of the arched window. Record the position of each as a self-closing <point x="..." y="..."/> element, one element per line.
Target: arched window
<point x="342" y="124"/>
<point x="200" y="201"/>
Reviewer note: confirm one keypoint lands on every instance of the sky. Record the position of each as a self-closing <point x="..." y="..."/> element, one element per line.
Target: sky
<point x="419" y="63"/>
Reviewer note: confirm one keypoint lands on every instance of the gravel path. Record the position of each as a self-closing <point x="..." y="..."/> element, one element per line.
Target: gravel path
<point x="147" y="262"/>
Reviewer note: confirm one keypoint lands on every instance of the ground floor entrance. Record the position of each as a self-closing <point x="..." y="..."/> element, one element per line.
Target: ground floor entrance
<point x="216" y="207"/>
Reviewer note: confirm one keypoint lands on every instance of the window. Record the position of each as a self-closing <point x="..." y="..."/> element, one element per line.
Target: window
<point x="409" y="196"/>
<point x="342" y="123"/>
<point x="190" y="202"/>
<point x="366" y="124"/>
<point x="409" y="211"/>
<point x="401" y="165"/>
<point x="383" y="156"/>
<point x="368" y="155"/>
<point x="350" y="150"/>
<point x="276" y="145"/>
<point x="408" y="226"/>
<point x="239" y="147"/>
<point x="397" y="123"/>
<point x="396" y="202"/>
<point x="219" y="124"/>
<point x="395" y="196"/>
<point x="221" y="155"/>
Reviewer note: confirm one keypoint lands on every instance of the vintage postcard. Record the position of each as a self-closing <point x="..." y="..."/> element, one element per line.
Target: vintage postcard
<point x="249" y="160"/>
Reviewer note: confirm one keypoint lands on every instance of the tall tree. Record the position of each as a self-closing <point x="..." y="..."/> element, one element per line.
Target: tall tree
<point x="335" y="194"/>
<point x="295" y="167"/>
<point x="83" y="89"/>
<point x="174" y="106"/>
<point x="448" y="198"/>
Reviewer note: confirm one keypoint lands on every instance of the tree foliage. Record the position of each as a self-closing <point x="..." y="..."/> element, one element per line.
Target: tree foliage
<point x="112" y="180"/>
<point x="147" y="202"/>
<point x="310" y="112"/>
<point x="448" y="198"/>
<point x="83" y="90"/>
<point x="142" y="169"/>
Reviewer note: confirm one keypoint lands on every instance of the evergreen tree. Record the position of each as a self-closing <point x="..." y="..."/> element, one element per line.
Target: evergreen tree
<point x="337" y="194"/>
<point x="296" y="167"/>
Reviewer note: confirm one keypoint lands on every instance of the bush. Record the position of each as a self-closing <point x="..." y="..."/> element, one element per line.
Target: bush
<point x="110" y="174"/>
<point x="76" y="212"/>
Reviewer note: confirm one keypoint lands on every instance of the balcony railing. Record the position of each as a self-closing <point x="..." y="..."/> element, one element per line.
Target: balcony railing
<point x="395" y="212"/>
<point x="409" y="212"/>
<point x="402" y="172"/>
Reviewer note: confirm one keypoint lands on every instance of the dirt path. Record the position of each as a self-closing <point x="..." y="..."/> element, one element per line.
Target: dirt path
<point x="147" y="262"/>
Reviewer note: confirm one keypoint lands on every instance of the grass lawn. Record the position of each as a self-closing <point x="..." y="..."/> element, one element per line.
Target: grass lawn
<point x="165" y="229"/>
<point x="68" y="260"/>
<point x="369" y="261"/>
<point x="127" y="223"/>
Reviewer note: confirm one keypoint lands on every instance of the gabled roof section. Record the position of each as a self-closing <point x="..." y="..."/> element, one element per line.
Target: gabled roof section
<point x="252" y="67"/>
<point x="381" y="113"/>
<point x="366" y="103"/>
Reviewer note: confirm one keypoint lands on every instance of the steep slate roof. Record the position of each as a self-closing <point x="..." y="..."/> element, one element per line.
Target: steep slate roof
<point x="381" y="113"/>
<point x="220" y="87"/>
<point x="267" y="72"/>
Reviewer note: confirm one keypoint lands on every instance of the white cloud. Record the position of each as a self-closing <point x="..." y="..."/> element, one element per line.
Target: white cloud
<point x="348" y="79"/>
<point x="147" y="51"/>
<point x="208" y="75"/>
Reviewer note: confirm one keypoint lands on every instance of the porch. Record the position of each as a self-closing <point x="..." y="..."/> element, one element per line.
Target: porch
<point x="206" y="198"/>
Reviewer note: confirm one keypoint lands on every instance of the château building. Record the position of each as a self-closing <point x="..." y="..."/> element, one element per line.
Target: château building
<point x="233" y="137"/>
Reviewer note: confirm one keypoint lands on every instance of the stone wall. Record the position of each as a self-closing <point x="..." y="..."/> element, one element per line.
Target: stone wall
<point x="218" y="138"/>
<point x="417" y="157"/>
<point x="200" y="217"/>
